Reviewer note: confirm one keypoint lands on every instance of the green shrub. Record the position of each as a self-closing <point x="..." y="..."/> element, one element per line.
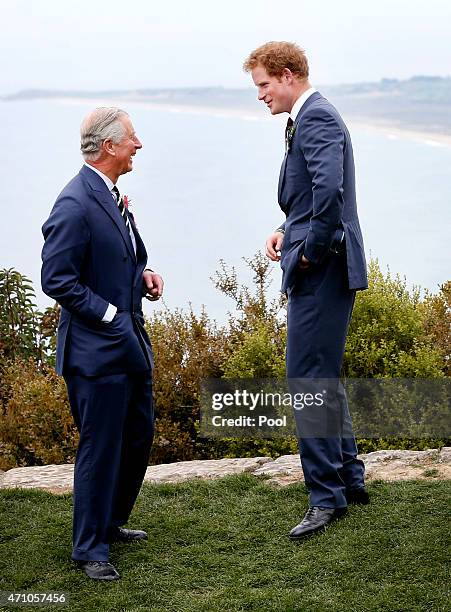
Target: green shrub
<point x="19" y="328"/>
<point x="388" y="334"/>
<point x="36" y="425"/>
<point x="187" y="348"/>
<point x="25" y="331"/>
<point x="259" y="354"/>
<point x="436" y="316"/>
<point x="394" y="332"/>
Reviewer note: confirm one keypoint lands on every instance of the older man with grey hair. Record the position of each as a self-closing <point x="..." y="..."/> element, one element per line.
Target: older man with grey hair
<point x="94" y="266"/>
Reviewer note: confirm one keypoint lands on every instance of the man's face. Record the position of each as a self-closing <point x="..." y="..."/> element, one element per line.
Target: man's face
<point x="275" y="91"/>
<point x="127" y="147"/>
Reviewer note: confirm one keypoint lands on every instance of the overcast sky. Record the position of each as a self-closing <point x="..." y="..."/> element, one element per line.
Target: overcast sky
<point x="101" y="44"/>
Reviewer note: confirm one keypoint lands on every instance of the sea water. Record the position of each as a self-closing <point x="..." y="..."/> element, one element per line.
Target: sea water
<point x="204" y="189"/>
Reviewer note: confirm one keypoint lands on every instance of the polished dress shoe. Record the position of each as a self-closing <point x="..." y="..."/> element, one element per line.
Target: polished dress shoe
<point x="99" y="570"/>
<point x="315" y="520"/>
<point x="119" y="534"/>
<point x="357" y="496"/>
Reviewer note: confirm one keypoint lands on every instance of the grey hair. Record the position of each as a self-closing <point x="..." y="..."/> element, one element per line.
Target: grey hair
<point x="101" y="124"/>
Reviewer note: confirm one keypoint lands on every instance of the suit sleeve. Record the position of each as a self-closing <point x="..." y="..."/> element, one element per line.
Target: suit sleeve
<point x="67" y="237"/>
<point x="322" y="146"/>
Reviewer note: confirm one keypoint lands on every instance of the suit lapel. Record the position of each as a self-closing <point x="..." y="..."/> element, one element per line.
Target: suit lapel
<point x="105" y="199"/>
<point x="111" y="208"/>
<point x="315" y="96"/>
<point x="282" y="179"/>
<point x="141" y="253"/>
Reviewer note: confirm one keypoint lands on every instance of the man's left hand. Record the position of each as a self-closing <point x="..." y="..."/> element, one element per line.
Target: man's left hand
<point x="154" y="285"/>
<point x="304" y="263"/>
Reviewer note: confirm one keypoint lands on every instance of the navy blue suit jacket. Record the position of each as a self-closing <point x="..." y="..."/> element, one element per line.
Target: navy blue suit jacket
<point x="88" y="263"/>
<point x="317" y="193"/>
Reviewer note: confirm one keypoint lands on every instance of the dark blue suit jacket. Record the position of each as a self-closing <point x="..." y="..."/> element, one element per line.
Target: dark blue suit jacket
<point x="89" y="262"/>
<point x="317" y="193"/>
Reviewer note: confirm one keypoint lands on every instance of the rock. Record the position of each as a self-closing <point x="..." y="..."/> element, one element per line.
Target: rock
<point x="54" y="478"/>
<point x="207" y="469"/>
<point x="404" y="465"/>
<point x="381" y="465"/>
<point x="445" y="455"/>
<point x="283" y="471"/>
<point x="406" y="456"/>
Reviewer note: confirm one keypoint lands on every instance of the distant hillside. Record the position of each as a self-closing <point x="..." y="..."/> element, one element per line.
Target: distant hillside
<point x="421" y="103"/>
<point x="420" y="88"/>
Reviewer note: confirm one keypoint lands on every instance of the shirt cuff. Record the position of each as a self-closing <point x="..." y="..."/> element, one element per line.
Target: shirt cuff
<point x="109" y="314"/>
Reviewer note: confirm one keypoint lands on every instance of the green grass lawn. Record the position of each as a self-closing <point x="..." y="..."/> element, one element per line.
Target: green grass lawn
<point x="222" y="546"/>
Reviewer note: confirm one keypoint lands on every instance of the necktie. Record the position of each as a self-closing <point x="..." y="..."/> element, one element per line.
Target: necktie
<point x="288" y="134"/>
<point x="122" y="209"/>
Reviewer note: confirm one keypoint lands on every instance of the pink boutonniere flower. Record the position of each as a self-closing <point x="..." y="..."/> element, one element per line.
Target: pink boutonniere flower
<point x="127" y="204"/>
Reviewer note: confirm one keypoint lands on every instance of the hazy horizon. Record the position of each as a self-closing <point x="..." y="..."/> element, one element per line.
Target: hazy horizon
<point x="242" y="88"/>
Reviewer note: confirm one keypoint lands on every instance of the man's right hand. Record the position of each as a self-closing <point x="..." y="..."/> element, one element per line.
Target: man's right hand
<point x="274" y="246"/>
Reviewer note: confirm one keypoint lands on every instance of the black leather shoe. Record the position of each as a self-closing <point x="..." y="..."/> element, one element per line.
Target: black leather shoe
<point x="99" y="570"/>
<point x="119" y="534"/>
<point x="316" y="519"/>
<point x="357" y="496"/>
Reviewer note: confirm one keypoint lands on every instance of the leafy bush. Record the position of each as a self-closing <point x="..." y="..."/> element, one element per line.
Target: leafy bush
<point x="19" y="328"/>
<point x="25" y="331"/>
<point x="394" y="332"/>
<point x="257" y="332"/>
<point x="436" y="316"/>
<point x="388" y="335"/>
<point x="187" y="349"/>
<point x="259" y="354"/>
<point x="36" y="425"/>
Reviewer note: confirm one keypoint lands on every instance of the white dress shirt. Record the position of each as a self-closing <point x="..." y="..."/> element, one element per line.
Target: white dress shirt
<point x="106" y="179"/>
<point x="300" y="102"/>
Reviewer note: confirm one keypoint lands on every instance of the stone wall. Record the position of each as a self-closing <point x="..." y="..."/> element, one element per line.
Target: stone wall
<point x="380" y="465"/>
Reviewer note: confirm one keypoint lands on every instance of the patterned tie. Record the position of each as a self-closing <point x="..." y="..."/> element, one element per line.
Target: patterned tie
<point x="122" y="209"/>
<point x="288" y="133"/>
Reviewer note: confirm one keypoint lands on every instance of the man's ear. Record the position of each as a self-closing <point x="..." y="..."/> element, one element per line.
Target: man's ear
<point x="108" y="147"/>
<point x="287" y="75"/>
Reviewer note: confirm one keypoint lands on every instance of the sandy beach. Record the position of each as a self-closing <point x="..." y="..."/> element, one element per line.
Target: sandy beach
<point x="398" y="133"/>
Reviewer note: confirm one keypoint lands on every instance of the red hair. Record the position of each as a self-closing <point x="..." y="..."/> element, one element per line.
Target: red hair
<point x="276" y="56"/>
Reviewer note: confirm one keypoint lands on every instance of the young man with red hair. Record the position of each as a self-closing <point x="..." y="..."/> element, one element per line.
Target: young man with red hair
<point x="320" y="248"/>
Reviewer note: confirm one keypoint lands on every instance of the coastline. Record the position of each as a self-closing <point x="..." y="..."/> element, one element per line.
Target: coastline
<point x="189" y="109"/>
<point x="392" y="132"/>
<point x="398" y="133"/>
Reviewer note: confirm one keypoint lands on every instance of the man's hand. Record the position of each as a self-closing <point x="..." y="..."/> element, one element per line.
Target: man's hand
<point x="274" y="246"/>
<point x="154" y="285"/>
<point x="304" y="263"/>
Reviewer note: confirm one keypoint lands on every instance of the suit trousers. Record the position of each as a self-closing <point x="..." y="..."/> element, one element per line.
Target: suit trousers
<point x="319" y="310"/>
<point x="115" y="419"/>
